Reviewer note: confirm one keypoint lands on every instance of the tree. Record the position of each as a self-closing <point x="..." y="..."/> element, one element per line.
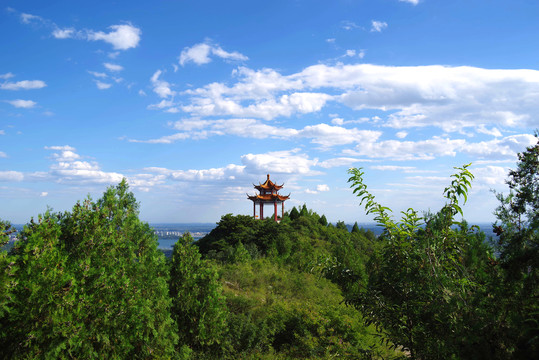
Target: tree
<point x="92" y="284"/>
<point x="423" y="286"/>
<point x="294" y="213"/>
<point x="7" y="270"/>
<point x="518" y="229"/>
<point x="198" y="306"/>
<point x="341" y="225"/>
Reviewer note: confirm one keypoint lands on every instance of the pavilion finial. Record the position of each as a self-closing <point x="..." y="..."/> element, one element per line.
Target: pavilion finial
<point x="268" y="176"/>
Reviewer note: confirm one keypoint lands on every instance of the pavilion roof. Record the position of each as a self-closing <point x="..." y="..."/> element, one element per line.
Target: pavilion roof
<point x="268" y="197"/>
<point x="268" y="185"/>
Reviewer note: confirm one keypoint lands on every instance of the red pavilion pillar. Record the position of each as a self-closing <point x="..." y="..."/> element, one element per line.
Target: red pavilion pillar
<point x="254" y="209"/>
<point x="261" y="210"/>
<point x="275" y="211"/>
<point x="282" y="210"/>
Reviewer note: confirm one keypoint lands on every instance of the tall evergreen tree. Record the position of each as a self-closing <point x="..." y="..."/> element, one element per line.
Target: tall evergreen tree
<point x="92" y="284"/>
<point x="294" y="213"/>
<point x="198" y="304"/>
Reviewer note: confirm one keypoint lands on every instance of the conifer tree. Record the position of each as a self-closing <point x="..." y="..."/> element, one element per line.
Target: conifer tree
<point x="198" y="305"/>
<point x="92" y="284"/>
<point x="294" y="213"/>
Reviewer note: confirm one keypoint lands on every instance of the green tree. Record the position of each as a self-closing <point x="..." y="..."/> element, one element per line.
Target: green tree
<point x="294" y="213"/>
<point x="341" y="225"/>
<point x="518" y="229"/>
<point x="323" y="221"/>
<point x="198" y="306"/>
<point x="423" y="286"/>
<point x="355" y="229"/>
<point x="92" y="284"/>
<point x="7" y="270"/>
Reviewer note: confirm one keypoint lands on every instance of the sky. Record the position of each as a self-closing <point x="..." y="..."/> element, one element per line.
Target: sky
<point x="193" y="102"/>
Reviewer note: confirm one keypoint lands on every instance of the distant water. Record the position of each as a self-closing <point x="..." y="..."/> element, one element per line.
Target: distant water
<point x="169" y="233"/>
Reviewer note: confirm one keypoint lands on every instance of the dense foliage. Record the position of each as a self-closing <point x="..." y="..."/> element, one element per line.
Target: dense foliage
<point x="518" y="246"/>
<point x="198" y="305"/>
<point x="280" y="306"/>
<point x="91" y="283"/>
<point x="436" y="287"/>
<point x="422" y="284"/>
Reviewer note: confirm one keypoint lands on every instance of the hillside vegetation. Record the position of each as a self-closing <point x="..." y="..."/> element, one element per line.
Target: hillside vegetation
<point x="90" y="283"/>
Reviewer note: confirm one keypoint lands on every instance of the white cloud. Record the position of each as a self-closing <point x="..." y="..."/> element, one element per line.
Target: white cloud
<point x="6" y="76"/>
<point x="67" y="153"/>
<point x="281" y="162"/>
<point x="28" y="18"/>
<point x="25" y="104"/>
<point x="66" y="33"/>
<point x="340" y="161"/>
<point x="98" y="74"/>
<point x="11" y="176"/>
<point x="322" y="187"/>
<point x="337" y="121"/>
<point x="435" y="147"/>
<point x="22" y="85"/>
<point x="378" y="26"/>
<point x="113" y="67"/>
<point x="494" y="131"/>
<point x="121" y="37"/>
<point x="406" y="169"/>
<point x="3" y="154"/>
<point x="349" y="25"/>
<point x="322" y="134"/>
<point x="413" y="2"/>
<point x="200" y="54"/>
<point x="228" y="172"/>
<point x="161" y="87"/>
<point x="327" y="136"/>
<point x="286" y="105"/>
<point x="490" y="175"/>
<point x="401" y="134"/>
<point x="60" y="148"/>
<point x="44" y="194"/>
<point x="69" y="169"/>
<point x="2" y="132"/>
<point x="101" y="85"/>
<point x="163" y="104"/>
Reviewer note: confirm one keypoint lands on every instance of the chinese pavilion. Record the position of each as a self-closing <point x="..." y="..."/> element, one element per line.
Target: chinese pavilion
<point x="268" y="194"/>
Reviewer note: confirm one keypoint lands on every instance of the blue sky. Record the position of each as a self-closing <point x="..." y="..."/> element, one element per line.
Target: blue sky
<point x="194" y="101"/>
